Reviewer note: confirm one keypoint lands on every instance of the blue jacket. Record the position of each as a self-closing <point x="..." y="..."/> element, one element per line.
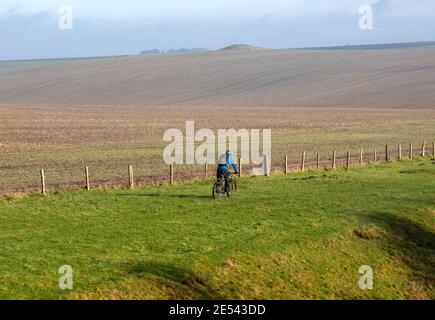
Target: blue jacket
<point x="229" y="161"/>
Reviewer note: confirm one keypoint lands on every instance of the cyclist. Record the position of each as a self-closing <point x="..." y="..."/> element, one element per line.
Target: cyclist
<point x="223" y="165"/>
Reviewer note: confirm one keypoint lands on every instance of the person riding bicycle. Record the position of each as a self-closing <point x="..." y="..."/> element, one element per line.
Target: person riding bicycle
<point x="224" y="163"/>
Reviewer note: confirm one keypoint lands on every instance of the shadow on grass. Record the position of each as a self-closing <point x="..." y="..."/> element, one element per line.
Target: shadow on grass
<point x="186" y="283"/>
<point x="306" y="178"/>
<point x="414" y="243"/>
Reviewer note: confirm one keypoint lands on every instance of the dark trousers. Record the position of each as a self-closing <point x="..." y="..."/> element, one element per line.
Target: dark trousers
<point x="222" y="173"/>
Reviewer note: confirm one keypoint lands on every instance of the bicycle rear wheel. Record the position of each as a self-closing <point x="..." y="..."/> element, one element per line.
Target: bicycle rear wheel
<point x="218" y="190"/>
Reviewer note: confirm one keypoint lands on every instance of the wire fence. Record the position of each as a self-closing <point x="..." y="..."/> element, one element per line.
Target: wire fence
<point x="46" y="171"/>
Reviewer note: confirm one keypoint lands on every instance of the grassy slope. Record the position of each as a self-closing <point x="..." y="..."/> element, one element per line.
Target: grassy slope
<point x="283" y="237"/>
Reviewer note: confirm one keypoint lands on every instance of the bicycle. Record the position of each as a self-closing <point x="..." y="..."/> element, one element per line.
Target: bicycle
<point x="219" y="186"/>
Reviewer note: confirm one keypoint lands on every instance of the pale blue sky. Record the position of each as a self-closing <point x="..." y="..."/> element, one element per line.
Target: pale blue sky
<point x="215" y="8"/>
<point x="29" y="28"/>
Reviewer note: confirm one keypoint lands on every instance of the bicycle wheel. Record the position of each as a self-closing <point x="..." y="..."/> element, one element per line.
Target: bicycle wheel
<point x="218" y="190"/>
<point x="233" y="189"/>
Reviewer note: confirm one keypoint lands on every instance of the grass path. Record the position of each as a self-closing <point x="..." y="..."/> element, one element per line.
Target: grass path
<point x="285" y="237"/>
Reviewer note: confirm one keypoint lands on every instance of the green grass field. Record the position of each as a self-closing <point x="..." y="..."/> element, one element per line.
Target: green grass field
<point x="301" y="236"/>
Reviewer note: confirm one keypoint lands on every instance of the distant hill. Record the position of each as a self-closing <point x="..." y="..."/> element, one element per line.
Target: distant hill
<point x="240" y="47"/>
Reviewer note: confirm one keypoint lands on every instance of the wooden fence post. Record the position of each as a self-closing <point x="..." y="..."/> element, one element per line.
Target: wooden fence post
<point x="240" y="167"/>
<point x="286" y="164"/>
<point x="130" y="177"/>
<point x="361" y="157"/>
<point x="387" y="157"/>
<point x="348" y="159"/>
<point x="43" y="190"/>
<point x="88" y="187"/>
<point x="375" y="156"/>
<point x="303" y="162"/>
<point x="423" y="149"/>
<point x="334" y="159"/>
<point x="410" y="151"/>
<point x="433" y="148"/>
<point x="399" y="152"/>
<point x="206" y="171"/>
<point x="318" y="161"/>
<point x="171" y="174"/>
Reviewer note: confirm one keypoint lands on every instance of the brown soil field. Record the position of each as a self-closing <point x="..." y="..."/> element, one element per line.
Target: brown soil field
<point x="64" y="139"/>
<point x="384" y="78"/>
<point x="33" y="128"/>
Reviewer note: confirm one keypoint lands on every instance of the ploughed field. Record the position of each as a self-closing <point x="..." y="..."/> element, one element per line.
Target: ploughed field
<point x="62" y="140"/>
<point x="384" y="78"/>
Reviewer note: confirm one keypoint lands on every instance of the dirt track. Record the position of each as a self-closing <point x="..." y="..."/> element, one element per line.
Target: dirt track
<point x="388" y="78"/>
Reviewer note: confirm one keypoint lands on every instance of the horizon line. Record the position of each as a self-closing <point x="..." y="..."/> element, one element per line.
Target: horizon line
<point x="392" y="45"/>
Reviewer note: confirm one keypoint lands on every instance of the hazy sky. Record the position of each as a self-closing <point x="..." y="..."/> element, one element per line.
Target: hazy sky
<point x="29" y="29"/>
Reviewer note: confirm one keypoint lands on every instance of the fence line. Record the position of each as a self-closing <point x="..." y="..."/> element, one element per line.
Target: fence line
<point x="348" y="159"/>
